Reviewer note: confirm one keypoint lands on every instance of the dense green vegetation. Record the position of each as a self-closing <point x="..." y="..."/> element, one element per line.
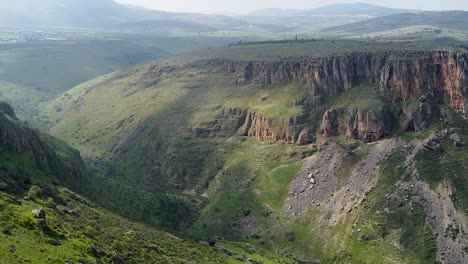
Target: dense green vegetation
<point x="75" y="229"/>
<point x="82" y="232"/>
<point x="252" y="183"/>
<point x="166" y="211"/>
<point x="173" y="171"/>
<point x="148" y="134"/>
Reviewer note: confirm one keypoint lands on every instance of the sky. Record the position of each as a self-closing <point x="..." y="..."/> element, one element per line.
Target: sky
<point x="246" y="6"/>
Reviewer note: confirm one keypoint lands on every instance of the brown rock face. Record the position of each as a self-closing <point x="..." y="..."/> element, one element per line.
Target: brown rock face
<point x="328" y="76"/>
<point x="248" y="123"/>
<point x="400" y="77"/>
<point x="443" y="75"/>
<point x="367" y="126"/>
<point x="417" y="118"/>
<point x="276" y="129"/>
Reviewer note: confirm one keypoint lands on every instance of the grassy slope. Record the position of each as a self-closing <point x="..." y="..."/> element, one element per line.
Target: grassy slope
<point x="76" y="225"/>
<point x="189" y="99"/>
<point x="253" y="182"/>
<point x="88" y="227"/>
<point x="43" y="69"/>
<point x="55" y="67"/>
<point x="25" y="100"/>
<point x="435" y="168"/>
<point x="249" y="179"/>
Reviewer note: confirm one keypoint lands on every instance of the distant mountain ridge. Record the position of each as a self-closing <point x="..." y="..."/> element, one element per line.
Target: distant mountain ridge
<point x="89" y="13"/>
<point x="81" y="13"/>
<point x="353" y="9"/>
<point x="358" y="9"/>
<point x="32" y="14"/>
<point x="456" y="20"/>
<point x="323" y="17"/>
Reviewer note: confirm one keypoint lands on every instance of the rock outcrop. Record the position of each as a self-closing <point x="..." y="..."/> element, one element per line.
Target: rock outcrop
<point x="293" y="130"/>
<point x="327" y="76"/>
<point x="417" y="118"/>
<point x="15" y="138"/>
<point x="7" y="110"/>
<point x="367" y="126"/>
<point x="443" y="75"/>
<point x="418" y="79"/>
<point x="226" y="124"/>
<point x="400" y="77"/>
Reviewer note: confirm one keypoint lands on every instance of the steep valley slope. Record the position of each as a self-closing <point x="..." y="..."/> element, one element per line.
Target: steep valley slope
<point x="44" y="220"/>
<point x="330" y="151"/>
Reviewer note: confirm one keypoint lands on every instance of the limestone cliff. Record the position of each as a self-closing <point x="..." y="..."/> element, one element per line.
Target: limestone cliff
<point x="367" y="126"/>
<point x="400" y="77"/>
<point x="441" y="77"/>
<point x="293" y="130"/>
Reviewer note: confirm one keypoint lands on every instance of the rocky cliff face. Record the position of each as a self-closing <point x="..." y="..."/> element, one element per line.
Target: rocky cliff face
<point x="293" y="130"/>
<point x="441" y="76"/>
<point x="367" y="126"/>
<point x="400" y="77"/>
<point x="17" y="139"/>
<point x="328" y="76"/>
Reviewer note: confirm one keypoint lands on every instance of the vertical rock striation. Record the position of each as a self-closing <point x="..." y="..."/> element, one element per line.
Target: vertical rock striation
<point x="367" y="126"/>
<point x="400" y="77"/>
<point x="291" y="129"/>
<point x="442" y="74"/>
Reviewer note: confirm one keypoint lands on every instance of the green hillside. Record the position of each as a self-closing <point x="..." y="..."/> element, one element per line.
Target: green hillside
<point x="34" y="71"/>
<point x="180" y="126"/>
<point x="35" y="174"/>
<point x="333" y="135"/>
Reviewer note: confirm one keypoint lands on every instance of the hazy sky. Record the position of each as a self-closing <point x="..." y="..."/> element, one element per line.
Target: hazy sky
<point x="244" y="6"/>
